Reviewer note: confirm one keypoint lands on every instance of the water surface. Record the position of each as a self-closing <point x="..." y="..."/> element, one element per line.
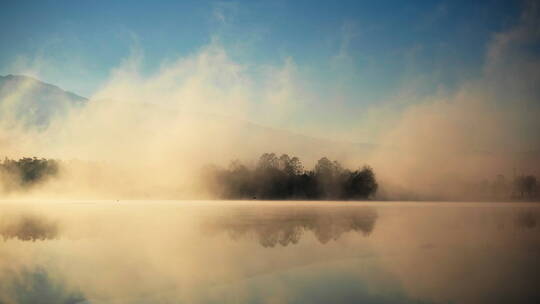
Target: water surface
<point x="268" y="252"/>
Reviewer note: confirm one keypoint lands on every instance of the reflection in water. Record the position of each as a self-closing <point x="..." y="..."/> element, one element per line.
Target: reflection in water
<point x="36" y="286"/>
<point x="28" y="227"/>
<point x="286" y="226"/>
<point x="527" y="219"/>
<point x="181" y="252"/>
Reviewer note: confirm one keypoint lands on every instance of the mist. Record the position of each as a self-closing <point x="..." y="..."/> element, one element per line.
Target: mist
<point x="203" y="252"/>
<point x="146" y="135"/>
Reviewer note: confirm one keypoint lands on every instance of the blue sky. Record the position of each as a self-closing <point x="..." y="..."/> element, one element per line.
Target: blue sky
<point x="387" y="44"/>
<point x="344" y="70"/>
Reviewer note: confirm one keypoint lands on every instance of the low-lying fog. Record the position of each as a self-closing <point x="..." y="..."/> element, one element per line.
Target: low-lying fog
<point x="268" y="252"/>
<point x="146" y="136"/>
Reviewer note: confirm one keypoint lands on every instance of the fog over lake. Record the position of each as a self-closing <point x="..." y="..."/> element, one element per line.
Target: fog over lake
<point x="303" y="152"/>
<point x="268" y="252"/>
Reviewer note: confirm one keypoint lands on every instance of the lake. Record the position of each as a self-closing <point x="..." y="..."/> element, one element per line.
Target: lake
<point x="268" y="252"/>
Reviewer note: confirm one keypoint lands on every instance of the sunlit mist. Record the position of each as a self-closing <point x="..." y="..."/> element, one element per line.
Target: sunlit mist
<point x="269" y="152"/>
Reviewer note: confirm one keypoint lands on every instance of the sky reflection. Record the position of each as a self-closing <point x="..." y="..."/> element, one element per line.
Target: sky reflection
<point x="297" y="252"/>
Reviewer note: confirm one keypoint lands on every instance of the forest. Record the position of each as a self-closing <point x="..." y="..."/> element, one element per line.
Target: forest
<point x="284" y="177"/>
<point x="274" y="177"/>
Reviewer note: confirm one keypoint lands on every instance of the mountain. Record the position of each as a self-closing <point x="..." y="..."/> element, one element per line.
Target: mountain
<point x="34" y="102"/>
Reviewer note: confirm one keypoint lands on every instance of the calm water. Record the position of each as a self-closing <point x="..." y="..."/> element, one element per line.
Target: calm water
<point x="269" y="252"/>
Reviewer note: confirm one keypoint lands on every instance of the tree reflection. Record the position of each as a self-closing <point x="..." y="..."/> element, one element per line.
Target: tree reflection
<point x="28" y="227"/>
<point x="284" y="226"/>
<point x="526" y="219"/>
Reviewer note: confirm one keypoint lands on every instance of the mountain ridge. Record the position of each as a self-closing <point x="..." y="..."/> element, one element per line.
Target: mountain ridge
<point x="16" y="77"/>
<point x="49" y="106"/>
<point x="34" y="102"/>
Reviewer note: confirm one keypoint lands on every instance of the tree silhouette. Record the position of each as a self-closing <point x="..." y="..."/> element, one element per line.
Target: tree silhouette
<point x="27" y="171"/>
<point x="284" y="177"/>
<point x="526" y="186"/>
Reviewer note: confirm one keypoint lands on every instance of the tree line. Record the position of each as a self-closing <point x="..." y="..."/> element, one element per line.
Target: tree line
<point x="521" y="187"/>
<point x="526" y="186"/>
<point x="280" y="177"/>
<point x="26" y="171"/>
<point x="284" y="177"/>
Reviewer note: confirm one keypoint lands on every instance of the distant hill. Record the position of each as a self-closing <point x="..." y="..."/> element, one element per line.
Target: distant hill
<point x="35" y="103"/>
<point x="32" y="101"/>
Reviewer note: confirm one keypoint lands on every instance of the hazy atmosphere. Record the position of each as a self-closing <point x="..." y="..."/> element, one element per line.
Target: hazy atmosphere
<point x="449" y="101"/>
<point x="354" y="138"/>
